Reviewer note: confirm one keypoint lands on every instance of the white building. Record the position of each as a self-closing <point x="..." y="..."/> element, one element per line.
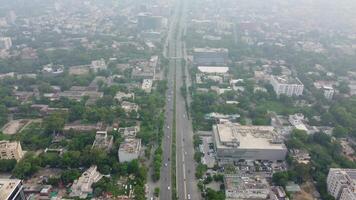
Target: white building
<point x="97" y="65"/>
<point x="147" y="85"/>
<point x="82" y="186"/>
<point x="296" y="120"/>
<point x="287" y="85"/>
<point x="11" y="189"/>
<point x="129" y="150"/>
<point x="129" y="107"/>
<point x="234" y="142"/>
<point x="213" y="69"/>
<point x="341" y="183"/>
<point x="328" y="92"/>
<point x="5" y="43"/>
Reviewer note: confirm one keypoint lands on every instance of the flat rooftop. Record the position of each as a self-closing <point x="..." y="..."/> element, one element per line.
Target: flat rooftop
<point x="246" y="137"/>
<point x="213" y="69"/>
<point x="287" y="80"/>
<point x="7" y="186"/>
<point x="210" y="50"/>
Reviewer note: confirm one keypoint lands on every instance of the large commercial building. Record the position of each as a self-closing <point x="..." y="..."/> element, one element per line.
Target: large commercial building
<point x="341" y="183"/>
<point x="82" y="187"/>
<point x="287" y="85"/>
<point x="234" y="142"/>
<point x="10" y="150"/>
<point x="129" y="150"/>
<point x="210" y="56"/>
<point x="146" y="21"/>
<point x="11" y="189"/>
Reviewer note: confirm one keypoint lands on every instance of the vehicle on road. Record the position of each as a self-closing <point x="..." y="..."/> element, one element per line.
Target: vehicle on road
<point x="169" y="188"/>
<point x="165" y="164"/>
<point x="188" y="196"/>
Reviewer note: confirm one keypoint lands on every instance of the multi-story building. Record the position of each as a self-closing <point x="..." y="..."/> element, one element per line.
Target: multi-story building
<point x="11" y="189"/>
<point x="147" y="85"/>
<point x="98" y="65"/>
<point x="5" y="43"/>
<point x="129" y="150"/>
<point x="10" y="150"/>
<point x="210" y="56"/>
<point x="328" y="92"/>
<point x="82" y="186"/>
<point x="341" y="183"/>
<point x="287" y="85"/>
<point x="234" y="142"/>
<point x="146" y="21"/>
<point x="103" y="140"/>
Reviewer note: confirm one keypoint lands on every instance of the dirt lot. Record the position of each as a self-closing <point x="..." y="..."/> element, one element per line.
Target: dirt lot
<point x="14" y="126"/>
<point x="306" y="193"/>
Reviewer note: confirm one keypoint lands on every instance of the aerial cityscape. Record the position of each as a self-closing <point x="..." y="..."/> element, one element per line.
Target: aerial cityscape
<point x="178" y="100"/>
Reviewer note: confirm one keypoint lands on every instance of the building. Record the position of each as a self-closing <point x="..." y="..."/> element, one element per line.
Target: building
<point x="129" y="150"/>
<point x="341" y="183"/>
<point x="210" y="56"/>
<point x="213" y="69"/>
<point x="146" y="21"/>
<point x="234" y="142"/>
<point x="98" y="65"/>
<point x="328" y="92"/>
<point x="287" y="85"/>
<point x="11" y="189"/>
<point x="245" y="188"/>
<point x="103" y="140"/>
<point x="147" y="85"/>
<point x="129" y="107"/>
<point x="5" y="43"/>
<point x="129" y="132"/>
<point x="82" y="187"/>
<point x="296" y="121"/>
<point x="10" y="150"/>
<point x="121" y="95"/>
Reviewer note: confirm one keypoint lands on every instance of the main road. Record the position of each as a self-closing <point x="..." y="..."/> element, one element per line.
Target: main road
<point x="185" y="164"/>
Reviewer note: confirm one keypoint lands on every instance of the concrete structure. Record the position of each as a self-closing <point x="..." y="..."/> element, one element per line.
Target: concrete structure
<point x="103" y="140"/>
<point x="97" y="65"/>
<point x="11" y="189"/>
<point x="121" y="95"/>
<point x="5" y="43"/>
<point x="246" y="188"/>
<point x="297" y="121"/>
<point x="129" y="150"/>
<point x="10" y="150"/>
<point x="234" y="142"/>
<point x="287" y="85"/>
<point x="341" y="183"/>
<point x="210" y="56"/>
<point x="82" y="187"/>
<point x="146" y="21"/>
<point x="147" y="85"/>
<point x="129" y="132"/>
<point x="129" y="107"/>
<point x="213" y="69"/>
<point x="328" y="92"/>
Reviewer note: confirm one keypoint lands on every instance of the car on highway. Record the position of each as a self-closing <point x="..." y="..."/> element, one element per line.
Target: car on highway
<point x="165" y="164"/>
<point x="169" y="188"/>
<point x="188" y="196"/>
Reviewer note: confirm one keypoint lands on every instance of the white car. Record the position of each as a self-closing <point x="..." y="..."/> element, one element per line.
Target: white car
<point x="165" y="164"/>
<point x="188" y="196"/>
<point x="169" y="188"/>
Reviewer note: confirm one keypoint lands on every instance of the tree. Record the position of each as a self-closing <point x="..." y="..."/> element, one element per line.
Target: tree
<point x="54" y="123"/>
<point x="68" y="176"/>
<point x="7" y="165"/>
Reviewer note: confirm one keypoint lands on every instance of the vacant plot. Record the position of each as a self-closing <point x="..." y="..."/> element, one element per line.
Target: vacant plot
<point x="307" y="192"/>
<point x="14" y="126"/>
